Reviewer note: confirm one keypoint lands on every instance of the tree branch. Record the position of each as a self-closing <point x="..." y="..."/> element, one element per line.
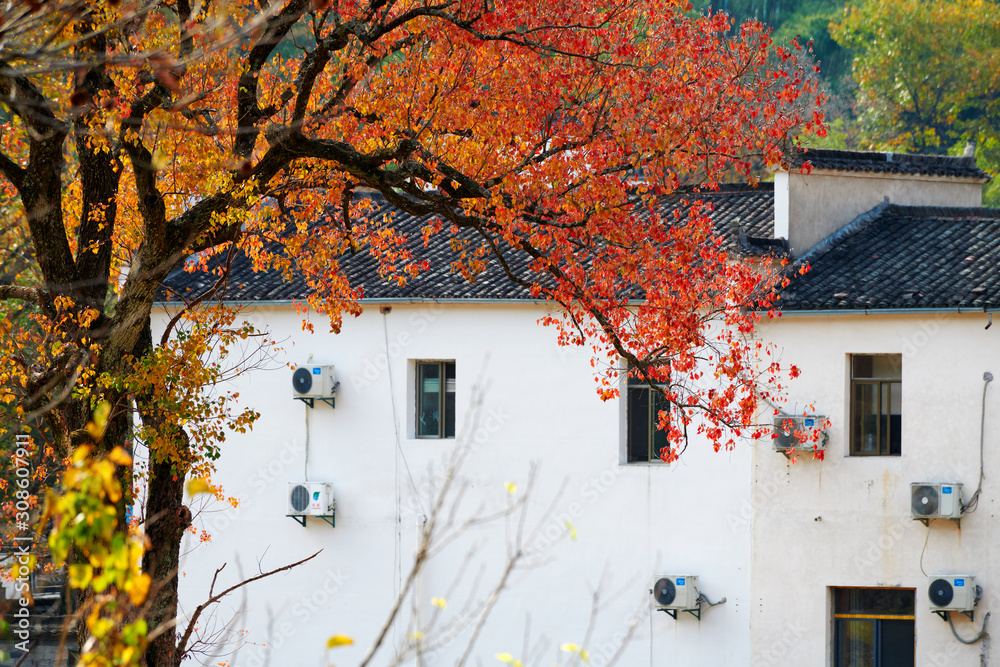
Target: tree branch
<point x="12" y="171"/>
<point x="248" y="113"/>
<point x="193" y="621"/>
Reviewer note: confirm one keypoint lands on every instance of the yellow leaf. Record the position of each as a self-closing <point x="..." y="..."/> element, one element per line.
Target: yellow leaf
<point x="81" y="453"/>
<point x="416" y="635"/>
<point x="119" y="456"/>
<point x="80" y="575"/>
<point x="198" y="485"/>
<point x="505" y="657"/>
<point x="439" y="602"/>
<point x="569" y="647"/>
<point x="339" y="640"/>
<point x="137" y="588"/>
<point x="99" y="422"/>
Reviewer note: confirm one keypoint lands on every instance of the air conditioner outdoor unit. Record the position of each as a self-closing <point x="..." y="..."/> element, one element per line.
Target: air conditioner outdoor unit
<point x="310" y="499"/>
<point x="786" y="427"/>
<point x="675" y="592"/>
<point x="314" y="382"/>
<point x="951" y="592"/>
<point x="934" y="500"/>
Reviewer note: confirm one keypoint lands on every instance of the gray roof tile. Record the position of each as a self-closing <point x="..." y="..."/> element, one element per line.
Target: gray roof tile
<point x="735" y="207"/>
<point x="903" y="257"/>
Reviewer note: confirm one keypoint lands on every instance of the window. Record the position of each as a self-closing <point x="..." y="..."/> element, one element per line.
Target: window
<point x="435" y="399"/>
<point x="876" y="402"/>
<point x="645" y="441"/>
<point x="873" y="627"/>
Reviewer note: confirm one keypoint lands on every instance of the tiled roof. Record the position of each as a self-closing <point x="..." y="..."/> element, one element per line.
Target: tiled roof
<point x="437" y="282"/>
<point x="736" y="208"/>
<point x="889" y="163"/>
<point x="903" y="257"/>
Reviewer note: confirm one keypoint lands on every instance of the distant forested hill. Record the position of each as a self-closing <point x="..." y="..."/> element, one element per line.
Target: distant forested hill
<point x="808" y="20"/>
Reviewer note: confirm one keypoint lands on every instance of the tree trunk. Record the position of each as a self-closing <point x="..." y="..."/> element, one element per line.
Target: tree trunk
<point x="166" y="520"/>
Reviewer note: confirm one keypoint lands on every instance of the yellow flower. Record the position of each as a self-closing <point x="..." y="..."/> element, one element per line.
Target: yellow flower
<point x="511" y="488"/>
<point x="439" y="602"/>
<point x="572" y="530"/>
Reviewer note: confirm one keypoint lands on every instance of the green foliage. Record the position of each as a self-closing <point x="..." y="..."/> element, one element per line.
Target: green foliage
<point x="85" y="523"/>
<point x="928" y="73"/>
<point x="806" y="21"/>
<point x="809" y="22"/>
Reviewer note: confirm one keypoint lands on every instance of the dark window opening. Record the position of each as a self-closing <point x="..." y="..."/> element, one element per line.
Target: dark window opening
<point x="645" y="441"/>
<point x="435" y="399"/>
<point x="873" y="627"/>
<point x="876" y="405"/>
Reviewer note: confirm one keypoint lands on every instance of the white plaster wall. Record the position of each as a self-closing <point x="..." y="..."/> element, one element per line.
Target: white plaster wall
<point x="845" y="521"/>
<point x="539" y="406"/>
<point x="808" y="208"/>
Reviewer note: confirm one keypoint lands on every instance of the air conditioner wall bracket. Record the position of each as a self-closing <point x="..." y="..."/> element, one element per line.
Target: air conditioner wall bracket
<point x="310" y="401"/>
<point x="301" y="519"/>
<point x="971" y="615"/>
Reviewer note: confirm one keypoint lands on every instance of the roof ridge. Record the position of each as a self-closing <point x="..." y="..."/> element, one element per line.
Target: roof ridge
<point x="850" y="229"/>
<point x="729" y="188"/>
<point x="886" y="156"/>
<point x="836" y="159"/>
<point x="926" y="211"/>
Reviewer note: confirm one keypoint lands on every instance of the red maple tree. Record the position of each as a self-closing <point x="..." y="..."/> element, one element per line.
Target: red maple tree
<point x="139" y="135"/>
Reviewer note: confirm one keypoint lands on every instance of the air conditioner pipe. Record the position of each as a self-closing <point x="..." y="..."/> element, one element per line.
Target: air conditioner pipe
<point x="974" y="500"/>
<point x="974" y="639"/>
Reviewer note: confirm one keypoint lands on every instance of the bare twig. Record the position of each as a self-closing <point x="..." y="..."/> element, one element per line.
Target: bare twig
<point x="192" y="622"/>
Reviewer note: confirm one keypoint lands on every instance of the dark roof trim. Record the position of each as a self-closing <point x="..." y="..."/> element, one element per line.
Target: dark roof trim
<point x="251" y="303"/>
<point x="875" y="162"/>
<point x="957" y="310"/>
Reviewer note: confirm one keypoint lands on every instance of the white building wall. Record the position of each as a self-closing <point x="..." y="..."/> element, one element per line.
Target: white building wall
<point x="538" y="407"/>
<point x="845" y="521"/>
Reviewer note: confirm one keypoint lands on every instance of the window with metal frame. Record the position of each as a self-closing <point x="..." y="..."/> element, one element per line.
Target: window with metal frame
<point x="644" y="441"/>
<point x="873" y="627"/>
<point x="435" y="399"/>
<point x="876" y="404"/>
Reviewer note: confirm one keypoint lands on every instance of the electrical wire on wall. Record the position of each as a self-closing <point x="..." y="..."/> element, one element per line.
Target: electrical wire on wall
<point x="395" y="416"/>
<point x="305" y="471"/>
<point x="924" y="550"/>
<point x="400" y="455"/>
<point x="974" y="500"/>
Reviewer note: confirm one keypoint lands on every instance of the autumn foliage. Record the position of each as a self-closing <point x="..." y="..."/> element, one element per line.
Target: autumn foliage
<point x="140" y="137"/>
